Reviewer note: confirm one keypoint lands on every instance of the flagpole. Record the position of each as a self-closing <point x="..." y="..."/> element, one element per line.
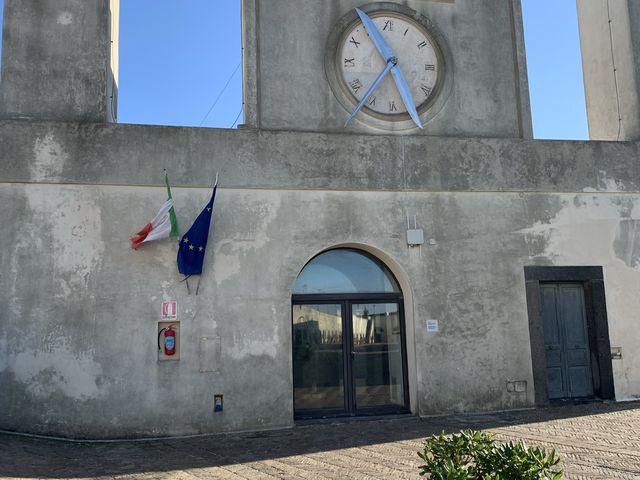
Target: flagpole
<point x="166" y="180"/>
<point x="199" y="277"/>
<point x="186" y="280"/>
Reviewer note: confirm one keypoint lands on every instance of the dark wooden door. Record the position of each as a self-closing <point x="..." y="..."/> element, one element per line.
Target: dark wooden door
<point x="566" y="341"/>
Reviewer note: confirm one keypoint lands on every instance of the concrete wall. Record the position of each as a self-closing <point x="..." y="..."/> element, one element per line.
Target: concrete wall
<point x="58" y="61"/>
<point x="285" y="41"/>
<point x="610" y="43"/>
<point x="80" y="308"/>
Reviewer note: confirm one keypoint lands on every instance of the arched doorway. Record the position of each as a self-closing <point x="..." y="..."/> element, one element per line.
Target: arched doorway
<point x="349" y="347"/>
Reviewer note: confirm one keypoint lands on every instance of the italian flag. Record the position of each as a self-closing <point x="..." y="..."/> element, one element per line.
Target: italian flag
<point x="164" y="224"/>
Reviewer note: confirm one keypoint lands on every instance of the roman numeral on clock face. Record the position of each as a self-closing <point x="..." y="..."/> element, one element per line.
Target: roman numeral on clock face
<point x="356" y="85"/>
<point x="353" y="40"/>
<point x="426" y="90"/>
<point x="422" y="45"/>
<point x="392" y="106"/>
<point x="372" y="100"/>
<point x="349" y="62"/>
<point x="388" y="25"/>
<point x="430" y="68"/>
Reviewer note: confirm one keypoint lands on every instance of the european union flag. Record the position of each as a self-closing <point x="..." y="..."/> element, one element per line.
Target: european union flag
<point x="193" y="244"/>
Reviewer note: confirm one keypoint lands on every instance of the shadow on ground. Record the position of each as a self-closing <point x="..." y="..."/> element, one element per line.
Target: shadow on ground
<point x="28" y="457"/>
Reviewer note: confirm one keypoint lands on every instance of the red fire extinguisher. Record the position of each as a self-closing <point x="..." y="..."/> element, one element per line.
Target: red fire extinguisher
<point x="169" y="340"/>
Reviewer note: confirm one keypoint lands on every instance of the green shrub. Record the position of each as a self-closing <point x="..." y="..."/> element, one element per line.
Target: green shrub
<point x="472" y="455"/>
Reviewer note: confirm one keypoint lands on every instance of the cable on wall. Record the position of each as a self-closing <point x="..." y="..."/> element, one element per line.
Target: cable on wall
<point x="114" y="85"/>
<point x="238" y="117"/>
<point x="615" y="70"/>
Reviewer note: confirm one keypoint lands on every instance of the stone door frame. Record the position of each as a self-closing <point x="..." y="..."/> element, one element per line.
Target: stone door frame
<point x="592" y="280"/>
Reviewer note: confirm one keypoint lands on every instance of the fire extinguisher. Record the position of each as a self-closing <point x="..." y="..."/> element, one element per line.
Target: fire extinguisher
<point x="169" y="340"/>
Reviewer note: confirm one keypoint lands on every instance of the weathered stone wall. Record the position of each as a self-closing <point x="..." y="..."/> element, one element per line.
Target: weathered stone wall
<point x="59" y="60"/>
<point x="610" y="45"/>
<point x="79" y="308"/>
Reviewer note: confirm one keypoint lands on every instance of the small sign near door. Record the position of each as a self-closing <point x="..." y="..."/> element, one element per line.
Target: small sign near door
<point x="169" y="310"/>
<point x="432" y="326"/>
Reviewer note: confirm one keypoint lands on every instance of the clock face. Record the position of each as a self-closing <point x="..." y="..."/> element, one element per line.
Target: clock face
<point x="359" y="63"/>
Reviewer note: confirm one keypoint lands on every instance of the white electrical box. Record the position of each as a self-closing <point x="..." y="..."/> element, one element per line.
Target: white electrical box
<point x="415" y="236"/>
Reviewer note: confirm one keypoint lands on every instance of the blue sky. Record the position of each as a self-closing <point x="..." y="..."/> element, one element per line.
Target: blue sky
<point x="555" y="69"/>
<point x="176" y="58"/>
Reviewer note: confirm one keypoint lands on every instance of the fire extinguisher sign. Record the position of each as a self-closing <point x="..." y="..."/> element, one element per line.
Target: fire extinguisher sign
<point x="169" y="310"/>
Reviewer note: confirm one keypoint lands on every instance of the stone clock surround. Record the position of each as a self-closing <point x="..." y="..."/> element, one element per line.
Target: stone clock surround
<point x="442" y="89"/>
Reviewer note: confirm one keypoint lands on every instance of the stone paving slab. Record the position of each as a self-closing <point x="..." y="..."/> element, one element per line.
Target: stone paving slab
<point x="595" y="441"/>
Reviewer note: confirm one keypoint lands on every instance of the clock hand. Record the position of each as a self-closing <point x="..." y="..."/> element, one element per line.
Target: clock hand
<point x="390" y="65"/>
<point x="387" y="53"/>
<point x="377" y="38"/>
<point x="405" y="93"/>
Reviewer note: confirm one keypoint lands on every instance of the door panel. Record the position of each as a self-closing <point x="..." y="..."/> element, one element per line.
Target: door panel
<point x="549" y="316"/>
<point x="554" y="357"/>
<point x="556" y="383"/>
<point x="566" y="341"/>
<point x="318" y="357"/>
<point x="580" y="381"/>
<point x="577" y="341"/>
<point x="577" y="357"/>
<point x="555" y="380"/>
<point x="377" y="365"/>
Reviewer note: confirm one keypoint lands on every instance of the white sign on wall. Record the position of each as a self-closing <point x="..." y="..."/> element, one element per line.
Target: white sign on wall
<point x="432" y="326"/>
<point x="169" y="310"/>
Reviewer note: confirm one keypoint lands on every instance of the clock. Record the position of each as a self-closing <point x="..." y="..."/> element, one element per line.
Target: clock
<point x="411" y="50"/>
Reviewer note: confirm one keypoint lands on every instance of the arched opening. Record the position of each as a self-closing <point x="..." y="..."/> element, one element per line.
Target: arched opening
<point x="349" y="337"/>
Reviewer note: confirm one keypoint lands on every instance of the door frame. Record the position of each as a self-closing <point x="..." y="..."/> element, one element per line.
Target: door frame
<point x="346" y="300"/>
<point x="592" y="280"/>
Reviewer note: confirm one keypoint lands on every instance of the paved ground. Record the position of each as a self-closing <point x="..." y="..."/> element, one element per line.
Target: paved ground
<point x="596" y="441"/>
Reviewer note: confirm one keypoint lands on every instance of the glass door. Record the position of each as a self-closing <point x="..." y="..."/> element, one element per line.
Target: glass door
<point x="348" y="359"/>
<point x="318" y="359"/>
<point x="348" y="337"/>
<point x="377" y="365"/>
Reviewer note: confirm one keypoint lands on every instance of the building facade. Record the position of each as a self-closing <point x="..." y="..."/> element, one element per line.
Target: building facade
<point x="367" y="269"/>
